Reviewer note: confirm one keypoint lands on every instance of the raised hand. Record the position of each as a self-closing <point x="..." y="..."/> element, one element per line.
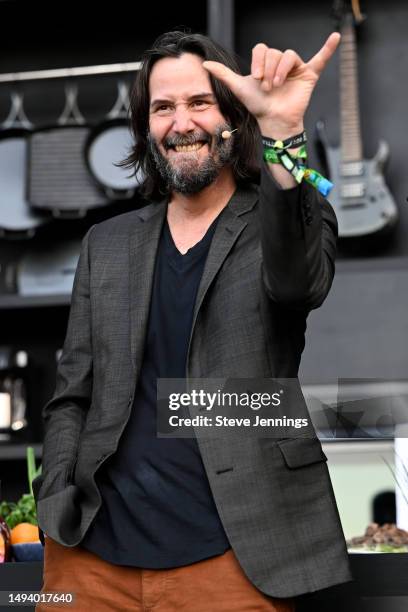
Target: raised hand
<point x="279" y="88"/>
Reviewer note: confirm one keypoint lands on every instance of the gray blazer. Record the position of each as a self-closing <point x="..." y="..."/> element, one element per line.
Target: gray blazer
<point x="270" y="262"/>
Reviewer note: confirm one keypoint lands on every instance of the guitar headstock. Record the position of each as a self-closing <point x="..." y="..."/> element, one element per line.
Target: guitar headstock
<point x="347" y="12"/>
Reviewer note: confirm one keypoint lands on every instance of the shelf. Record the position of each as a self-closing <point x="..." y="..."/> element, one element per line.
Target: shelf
<point x="10" y="450"/>
<point x="35" y="301"/>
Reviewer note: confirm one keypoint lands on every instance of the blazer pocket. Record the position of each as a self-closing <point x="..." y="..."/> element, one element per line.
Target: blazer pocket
<point x="299" y="452"/>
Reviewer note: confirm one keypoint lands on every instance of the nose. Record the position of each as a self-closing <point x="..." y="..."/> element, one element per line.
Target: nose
<point x="182" y="121"/>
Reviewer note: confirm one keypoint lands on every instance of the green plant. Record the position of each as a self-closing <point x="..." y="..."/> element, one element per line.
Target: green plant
<point x="24" y="511"/>
<point x="33" y="472"/>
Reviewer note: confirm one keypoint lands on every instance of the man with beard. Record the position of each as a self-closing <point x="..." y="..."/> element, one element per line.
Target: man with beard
<point x="214" y="278"/>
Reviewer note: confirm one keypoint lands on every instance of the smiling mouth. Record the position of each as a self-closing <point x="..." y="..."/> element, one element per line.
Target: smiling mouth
<point x="188" y="148"/>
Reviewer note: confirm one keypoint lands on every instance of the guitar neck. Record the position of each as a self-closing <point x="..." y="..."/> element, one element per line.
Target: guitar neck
<point x="350" y="130"/>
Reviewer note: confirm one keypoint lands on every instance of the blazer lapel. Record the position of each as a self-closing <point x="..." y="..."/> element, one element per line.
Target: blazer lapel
<point x="144" y="235"/>
<point x="228" y="229"/>
<point x="144" y="238"/>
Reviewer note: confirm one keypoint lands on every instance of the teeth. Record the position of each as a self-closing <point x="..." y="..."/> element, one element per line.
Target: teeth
<point x="187" y="148"/>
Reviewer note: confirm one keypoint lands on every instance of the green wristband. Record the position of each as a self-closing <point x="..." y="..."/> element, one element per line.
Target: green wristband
<point x="271" y="155"/>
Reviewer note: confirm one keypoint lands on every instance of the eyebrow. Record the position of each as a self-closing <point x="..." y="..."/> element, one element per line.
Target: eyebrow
<point x="204" y="94"/>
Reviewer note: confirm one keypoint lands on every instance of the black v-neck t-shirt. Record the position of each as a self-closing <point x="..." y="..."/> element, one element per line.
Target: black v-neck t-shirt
<point x="157" y="507"/>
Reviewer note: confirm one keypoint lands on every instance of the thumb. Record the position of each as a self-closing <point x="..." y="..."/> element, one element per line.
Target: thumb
<point x="221" y="72"/>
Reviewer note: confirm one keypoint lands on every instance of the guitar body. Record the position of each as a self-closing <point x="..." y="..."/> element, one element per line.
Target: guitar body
<point x="360" y="197"/>
<point x="362" y="201"/>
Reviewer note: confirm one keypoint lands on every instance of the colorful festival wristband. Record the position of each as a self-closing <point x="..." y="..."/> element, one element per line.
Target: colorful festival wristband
<point x="295" y="163"/>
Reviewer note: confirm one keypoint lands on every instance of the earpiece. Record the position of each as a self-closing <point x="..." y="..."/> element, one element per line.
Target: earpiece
<point x="227" y="134"/>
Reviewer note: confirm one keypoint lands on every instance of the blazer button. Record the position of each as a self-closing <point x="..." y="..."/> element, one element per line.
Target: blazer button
<point x="308" y="220"/>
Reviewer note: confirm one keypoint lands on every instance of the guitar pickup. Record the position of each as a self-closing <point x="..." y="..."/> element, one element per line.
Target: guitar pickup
<point x="352" y="169"/>
<point x="353" y="190"/>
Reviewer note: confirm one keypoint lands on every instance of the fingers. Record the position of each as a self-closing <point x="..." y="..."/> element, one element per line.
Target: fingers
<point x="271" y="66"/>
<point x="258" y="61"/>
<point x="272" y="60"/>
<point x="224" y="74"/>
<point x="319" y="61"/>
<point x="288" y="62"/>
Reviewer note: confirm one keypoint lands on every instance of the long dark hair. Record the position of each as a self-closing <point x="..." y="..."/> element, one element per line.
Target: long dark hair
<point x="244" y="161"/>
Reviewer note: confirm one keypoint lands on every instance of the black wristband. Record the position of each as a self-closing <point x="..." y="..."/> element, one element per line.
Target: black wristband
<point x="292" y="142"/>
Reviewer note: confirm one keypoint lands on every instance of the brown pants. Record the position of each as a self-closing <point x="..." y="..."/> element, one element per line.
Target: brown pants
<point x="217" y="584"/>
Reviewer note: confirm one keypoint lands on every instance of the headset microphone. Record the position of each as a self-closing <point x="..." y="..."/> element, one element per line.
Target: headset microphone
<point x="227" y="134"/>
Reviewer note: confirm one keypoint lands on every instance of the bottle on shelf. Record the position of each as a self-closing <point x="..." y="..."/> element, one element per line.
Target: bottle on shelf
<point x="13" y="392"/>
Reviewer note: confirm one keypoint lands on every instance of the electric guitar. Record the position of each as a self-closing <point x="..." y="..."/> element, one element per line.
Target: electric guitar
<point x="360" y="197"/>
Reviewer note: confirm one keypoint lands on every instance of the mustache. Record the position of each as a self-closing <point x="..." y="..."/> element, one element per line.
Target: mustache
<point x="186" y="139"/>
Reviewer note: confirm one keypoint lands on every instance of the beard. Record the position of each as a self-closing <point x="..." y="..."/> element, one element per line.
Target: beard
<point x="189" y="175"/>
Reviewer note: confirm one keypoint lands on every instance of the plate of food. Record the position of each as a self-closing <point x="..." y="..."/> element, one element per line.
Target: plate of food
<point x="387" y="538"/>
